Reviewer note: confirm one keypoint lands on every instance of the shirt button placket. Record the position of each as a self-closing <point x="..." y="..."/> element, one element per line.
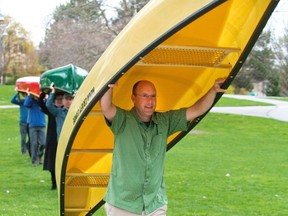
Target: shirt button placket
<point x="147" y="173"/>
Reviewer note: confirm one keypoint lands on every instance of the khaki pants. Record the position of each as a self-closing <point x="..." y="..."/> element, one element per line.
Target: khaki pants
<point x="114" y="211"/>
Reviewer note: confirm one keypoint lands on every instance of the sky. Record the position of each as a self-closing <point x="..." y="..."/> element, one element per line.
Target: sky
<point x="31" y="14"/>
<point x="34" y="14"/>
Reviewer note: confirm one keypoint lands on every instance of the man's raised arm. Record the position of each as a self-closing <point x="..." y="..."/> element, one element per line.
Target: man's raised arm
<point x="106" y="105"/>
<point x="204" y="103"/>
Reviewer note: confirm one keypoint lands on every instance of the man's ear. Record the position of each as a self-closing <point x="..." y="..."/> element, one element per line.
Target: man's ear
<point x="133" y="98"/>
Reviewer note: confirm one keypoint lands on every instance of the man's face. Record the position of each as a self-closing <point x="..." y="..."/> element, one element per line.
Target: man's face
<point x="144" y="100"/>
<point x="67" y="101"/>
<point x="59" y="100"/>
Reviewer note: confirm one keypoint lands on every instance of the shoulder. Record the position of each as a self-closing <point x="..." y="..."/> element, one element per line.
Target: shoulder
<point x="176" y="114"/>
<point x="121" y="113"/>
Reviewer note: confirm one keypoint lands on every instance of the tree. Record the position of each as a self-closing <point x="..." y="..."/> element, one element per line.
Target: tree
<point x="259" y="67"/>
<point x="76" y="36"/>
<point x="282" y="56"/>
<point x="19" y="55"/>
<point x="81" y="31"/>
<point x="284" y="79"/>
<point x="125" y="11"/>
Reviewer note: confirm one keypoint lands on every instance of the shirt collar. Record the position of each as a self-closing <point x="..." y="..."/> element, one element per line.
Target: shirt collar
<point x="154" y="118"/>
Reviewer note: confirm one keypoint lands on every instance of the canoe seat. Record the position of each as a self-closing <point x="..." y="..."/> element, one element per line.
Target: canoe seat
<point x="87" y="180"/>
<point x="187" y="56"/>
<point x="76" y="210"/>
<point x="91" y="151"/>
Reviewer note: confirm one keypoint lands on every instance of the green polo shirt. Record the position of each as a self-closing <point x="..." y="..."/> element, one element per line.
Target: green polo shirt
<point x="137" y="176"/>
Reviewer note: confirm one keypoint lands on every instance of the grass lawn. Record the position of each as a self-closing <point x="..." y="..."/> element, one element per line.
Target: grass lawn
<point x="237" y="167"/>
<point x="234" y="165"/>
<point x="25" y="190"/>
<point x="6" y="92"/>
<point x="280" y="98"/>
<point x="236" y="102"/>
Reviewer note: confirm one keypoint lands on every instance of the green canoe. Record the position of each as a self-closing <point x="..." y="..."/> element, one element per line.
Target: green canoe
<point x="66" y="79"/>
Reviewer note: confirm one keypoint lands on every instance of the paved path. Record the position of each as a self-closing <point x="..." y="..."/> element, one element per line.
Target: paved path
<point x="278" y="109"/>
<point x="8" y="106"/>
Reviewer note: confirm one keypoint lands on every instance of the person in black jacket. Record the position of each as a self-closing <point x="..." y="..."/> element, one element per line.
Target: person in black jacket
<point x="51" y="138"/>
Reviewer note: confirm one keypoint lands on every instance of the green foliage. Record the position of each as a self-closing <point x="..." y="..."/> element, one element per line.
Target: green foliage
<point x="18" y="52"/>
<point x="259" y="67"/>
<point x="284" y="79"/>
<point x="273" y="86"/>
<point x="85" y="11"/>
<point x="242" y="81"/>
<point x="261" y="58"/>
<point x="282" y="50"/>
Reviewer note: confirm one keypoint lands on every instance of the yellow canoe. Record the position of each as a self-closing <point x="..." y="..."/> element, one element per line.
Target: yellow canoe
<point x="182" y="47"/>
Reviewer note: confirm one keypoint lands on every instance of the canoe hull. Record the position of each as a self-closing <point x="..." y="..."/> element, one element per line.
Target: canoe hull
<point x="29" y="82"/>
<point x="195" y="43"/>
<point x="66" y="79"/>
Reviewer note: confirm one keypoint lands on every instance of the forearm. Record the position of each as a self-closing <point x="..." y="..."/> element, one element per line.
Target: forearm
<point x="204" y="103"/>
<point x="50" y="105"/>
<point x="106" y="105"/>
<point x="15" y="100"/>
<point x="201" y="106"/>
<point x="28" y="102"/>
